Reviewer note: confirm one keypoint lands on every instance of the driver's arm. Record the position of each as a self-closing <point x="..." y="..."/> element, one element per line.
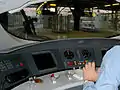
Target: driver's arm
<point x="109" y="75"/>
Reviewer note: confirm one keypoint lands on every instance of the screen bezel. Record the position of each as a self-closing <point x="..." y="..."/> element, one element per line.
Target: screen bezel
<point x="49" y="69"/>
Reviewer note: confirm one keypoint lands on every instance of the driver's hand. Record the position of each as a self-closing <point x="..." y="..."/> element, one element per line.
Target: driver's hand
<point x="90" y="73"/>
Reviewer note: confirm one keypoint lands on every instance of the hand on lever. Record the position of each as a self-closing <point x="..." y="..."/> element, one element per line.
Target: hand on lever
<point x="90" y="73"/>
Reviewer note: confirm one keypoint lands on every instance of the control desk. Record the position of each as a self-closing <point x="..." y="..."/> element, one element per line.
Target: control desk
<point x="53" y="65"/>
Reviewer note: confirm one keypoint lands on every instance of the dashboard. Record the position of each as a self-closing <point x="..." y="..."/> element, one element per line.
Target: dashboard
<point x="50" y="59"/>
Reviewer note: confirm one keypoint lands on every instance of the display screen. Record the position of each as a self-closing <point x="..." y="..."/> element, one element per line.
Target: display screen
<point x="44" y="61"/>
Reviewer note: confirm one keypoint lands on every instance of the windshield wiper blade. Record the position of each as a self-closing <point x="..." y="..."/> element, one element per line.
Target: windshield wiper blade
<point x="113" y="36"/>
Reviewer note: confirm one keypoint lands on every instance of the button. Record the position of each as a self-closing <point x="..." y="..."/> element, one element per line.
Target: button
<point x="52" y="75"/>
<point x="17" y="65"/>
<point x="70" y="63"/>
<point x="10" y="66"/>
<point x="1" y="65"/>
<point x="80" y="63"/>
<point x="21" y="64"/>
<point x="1" y="62"/>
<point x="56" y="75"/>
<point x="84" y="63"/>
<point x="3" y="68"/>
<point x="75" y="63"/>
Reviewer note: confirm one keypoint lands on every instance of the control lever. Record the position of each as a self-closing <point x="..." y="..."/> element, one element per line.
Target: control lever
<point x="78" y="77"/>
<point x="53" y="80"/>
<point x="70" y="74"/>
<point x="54" y="77"/>
<point x="77" y="74"/>
<point x="31" y="84"/>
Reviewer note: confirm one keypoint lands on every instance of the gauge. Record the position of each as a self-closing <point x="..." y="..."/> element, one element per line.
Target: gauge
<point x="69" y="54"/>
<point x="86" y="54"/>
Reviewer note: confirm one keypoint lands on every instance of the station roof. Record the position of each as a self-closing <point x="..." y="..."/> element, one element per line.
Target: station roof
<point x="102" y="4"/>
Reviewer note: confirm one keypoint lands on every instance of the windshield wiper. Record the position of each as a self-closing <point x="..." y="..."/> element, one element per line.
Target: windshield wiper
<point x="113" y="36"/>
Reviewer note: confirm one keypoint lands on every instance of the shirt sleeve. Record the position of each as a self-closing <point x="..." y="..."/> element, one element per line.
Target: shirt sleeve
<point x="92" y="86"/>
<point x="89" y="86"/>
<point x="109" y="77"/>
<point x="101" y="84"/>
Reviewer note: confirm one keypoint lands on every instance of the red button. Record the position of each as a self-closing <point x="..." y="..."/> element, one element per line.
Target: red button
<point x="85" y="62"/>
<point x="21" y="64"/>
<point x="80" y="63"/>
<point x="70" y="63"/>
<point x="52" y="75"/>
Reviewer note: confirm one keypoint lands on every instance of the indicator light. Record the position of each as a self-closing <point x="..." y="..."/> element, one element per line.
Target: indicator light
<point x="53" y="5"/>
<point x="75" y="62"/>
<point x="70" y="63"/>
<point x="83" y="62"/>
<point x="52" y="75"/>
<point x="21" y="64"/>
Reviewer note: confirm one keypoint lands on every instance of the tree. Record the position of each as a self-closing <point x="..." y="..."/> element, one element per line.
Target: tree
<point x="77" y="13"/>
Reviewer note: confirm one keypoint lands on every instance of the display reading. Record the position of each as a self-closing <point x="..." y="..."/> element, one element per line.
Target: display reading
<point x="44" y="61"/>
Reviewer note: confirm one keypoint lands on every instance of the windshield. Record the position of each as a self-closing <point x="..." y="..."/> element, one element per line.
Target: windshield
<point x="54" y="21"/>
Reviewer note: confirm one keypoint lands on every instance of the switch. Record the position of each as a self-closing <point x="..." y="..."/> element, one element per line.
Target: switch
<point x="56" y="75"/>
<point x="75" y="63"/>
<point x="77" y="77"/>
<point x="69" y="75"/>
<point x="21" y="64"/>
<point x="52" y="75"/>
<point x="70" y="63"/>
<point x="53" y="79"/>
<point x="86" y="61"/>
<point x="79" y="63"/>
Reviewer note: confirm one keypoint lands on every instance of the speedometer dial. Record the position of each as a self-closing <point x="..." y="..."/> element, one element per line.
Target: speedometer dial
<point x="86" y="54"/>
<point x="69" y="54"/>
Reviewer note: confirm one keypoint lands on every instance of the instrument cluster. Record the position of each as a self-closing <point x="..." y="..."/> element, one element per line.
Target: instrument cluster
<point x="74" y="58"/>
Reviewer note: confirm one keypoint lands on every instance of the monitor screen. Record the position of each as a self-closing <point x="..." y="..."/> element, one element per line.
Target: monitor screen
<point x="44" y="61"/>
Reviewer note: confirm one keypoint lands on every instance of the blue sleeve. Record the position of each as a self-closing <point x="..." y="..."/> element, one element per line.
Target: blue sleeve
<point x="109" y="77"/>
<point x="92" y="86"/>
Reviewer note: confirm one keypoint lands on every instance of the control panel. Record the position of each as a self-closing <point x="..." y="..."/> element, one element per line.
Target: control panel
<point x="4" y="67"/>
<point x="13" y="70"/>
<point x="70" y="58"/>
<point x="51" y="57"/>
<point x="77" y="58"/>
<point x="17" y="76"/>
<point x="86" y="55"/>
<point x="10" y="62"/>
<point x="64" y="80"/>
